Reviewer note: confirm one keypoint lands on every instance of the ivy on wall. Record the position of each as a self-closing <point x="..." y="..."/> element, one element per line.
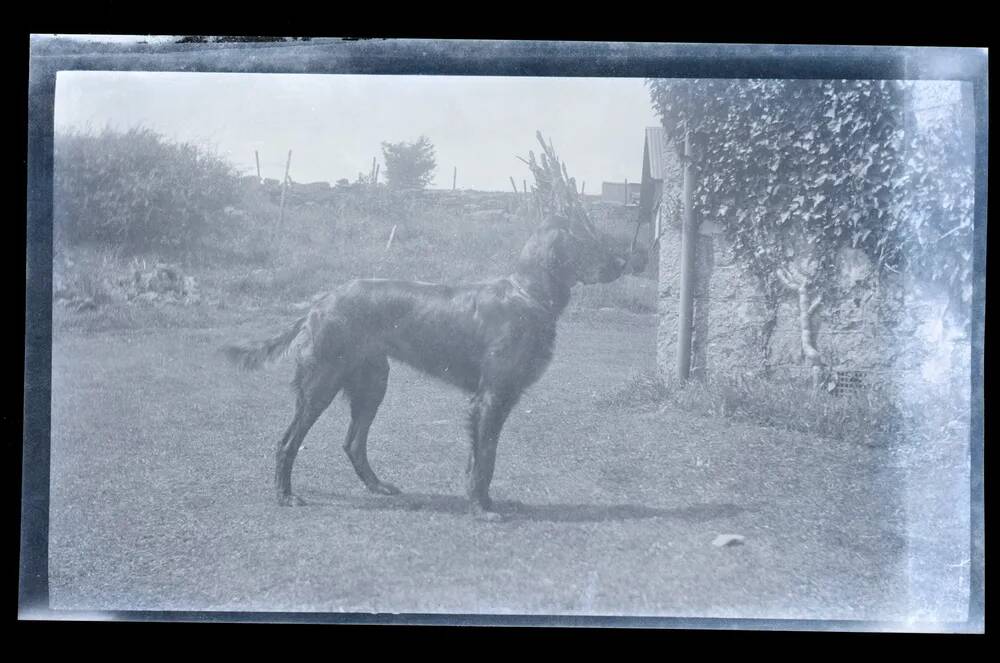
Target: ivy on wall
<point x="797" y="170"/>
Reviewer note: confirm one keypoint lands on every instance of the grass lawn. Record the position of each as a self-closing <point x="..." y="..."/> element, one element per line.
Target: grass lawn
<point x="162" y="462"/>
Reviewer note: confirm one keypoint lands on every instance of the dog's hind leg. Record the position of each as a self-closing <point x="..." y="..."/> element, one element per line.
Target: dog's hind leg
<point x="366" y="388"/>
<point x="315" y="389"/>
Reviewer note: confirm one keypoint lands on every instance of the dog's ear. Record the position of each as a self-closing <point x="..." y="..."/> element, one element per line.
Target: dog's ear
<point x="557" y="257"/>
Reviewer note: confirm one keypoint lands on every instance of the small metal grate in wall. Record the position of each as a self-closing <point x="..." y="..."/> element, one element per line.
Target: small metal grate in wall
<point x="846" y="382"/>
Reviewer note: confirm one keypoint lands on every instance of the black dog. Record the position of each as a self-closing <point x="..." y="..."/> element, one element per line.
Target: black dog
<point x="493" y="340"/>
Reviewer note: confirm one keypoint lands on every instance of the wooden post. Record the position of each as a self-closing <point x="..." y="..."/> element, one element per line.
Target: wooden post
<point x="371" y="175"/>
<point x="687" y="270"/>
<point x="513" y="184"/>
<point x="626" y="191"/>
<point x="583" y="187"/>
<point x="256" y="157"/>
<point x="377" y="168"/>
<point x="454" y="178"/>
<point x="524" y="186"/>
<point x="281" y="206"/>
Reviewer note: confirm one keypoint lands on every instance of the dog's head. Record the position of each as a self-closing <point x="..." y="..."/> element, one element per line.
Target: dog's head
<point x="574" y="251"/>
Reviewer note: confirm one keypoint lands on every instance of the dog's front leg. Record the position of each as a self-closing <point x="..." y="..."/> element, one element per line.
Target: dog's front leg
<point x="489" y="412"/>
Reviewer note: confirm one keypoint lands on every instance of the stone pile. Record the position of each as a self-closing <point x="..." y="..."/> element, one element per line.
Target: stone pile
<point x="163" y="283"/>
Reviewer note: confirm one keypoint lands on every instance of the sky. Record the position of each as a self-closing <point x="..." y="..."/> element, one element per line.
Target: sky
<point x="335" y="124"/>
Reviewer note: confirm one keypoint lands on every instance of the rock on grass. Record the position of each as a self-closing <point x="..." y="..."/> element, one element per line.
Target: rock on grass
<point x="727" y="540"/>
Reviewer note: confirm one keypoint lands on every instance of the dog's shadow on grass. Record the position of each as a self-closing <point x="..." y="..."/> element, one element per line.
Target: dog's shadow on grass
<point x="512" y="510"/>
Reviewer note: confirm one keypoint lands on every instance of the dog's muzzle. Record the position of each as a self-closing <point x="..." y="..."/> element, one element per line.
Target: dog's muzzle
<point x="613" y="269"/>
<point x="637" y="261"/>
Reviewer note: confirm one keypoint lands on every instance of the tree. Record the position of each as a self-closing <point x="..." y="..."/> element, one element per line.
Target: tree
<point x="796" y="170"/>
<point x="409" y="165"/>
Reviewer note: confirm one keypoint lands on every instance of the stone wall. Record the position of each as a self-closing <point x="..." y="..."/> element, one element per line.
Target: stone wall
<point x="890" y="329"/>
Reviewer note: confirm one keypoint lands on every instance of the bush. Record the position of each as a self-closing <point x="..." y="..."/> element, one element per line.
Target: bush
<point x="136" y="190"/>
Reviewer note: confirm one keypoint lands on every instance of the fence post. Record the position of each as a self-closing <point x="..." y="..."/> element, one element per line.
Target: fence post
<point x="281" y="206"/>
<point x="378" y="167"/>
<point x="256" y="157"/>
<point x="685" y="318"/>
<point x="454" y="178"/>
<point x="513" y="184"/>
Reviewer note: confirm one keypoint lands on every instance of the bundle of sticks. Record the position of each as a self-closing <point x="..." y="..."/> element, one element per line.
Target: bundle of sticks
<point x="556" y="194"/>
<point x="555" y="191"/>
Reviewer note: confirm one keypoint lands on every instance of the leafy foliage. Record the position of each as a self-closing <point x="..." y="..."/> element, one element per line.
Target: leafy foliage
<point x="935" y="193"/>
<point x="409" y="165"/>
<point x="136" y="190"/>
<point x="795" y="170"/>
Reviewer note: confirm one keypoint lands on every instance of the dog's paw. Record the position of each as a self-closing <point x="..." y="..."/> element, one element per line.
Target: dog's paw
<point x="483" y="510"/>
<point x="290" y="500"/>
<point x="487" y="516"/>
<point x="383" y="488"/>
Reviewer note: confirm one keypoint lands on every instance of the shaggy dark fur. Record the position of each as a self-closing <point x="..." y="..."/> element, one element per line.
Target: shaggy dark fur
<point x="493" y="340"/>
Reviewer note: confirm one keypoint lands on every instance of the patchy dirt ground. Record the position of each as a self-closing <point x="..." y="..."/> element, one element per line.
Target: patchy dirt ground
<point x="162" y="499"/>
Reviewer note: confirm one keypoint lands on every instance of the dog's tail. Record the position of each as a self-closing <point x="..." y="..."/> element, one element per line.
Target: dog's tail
<point x="252" y="356"/>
